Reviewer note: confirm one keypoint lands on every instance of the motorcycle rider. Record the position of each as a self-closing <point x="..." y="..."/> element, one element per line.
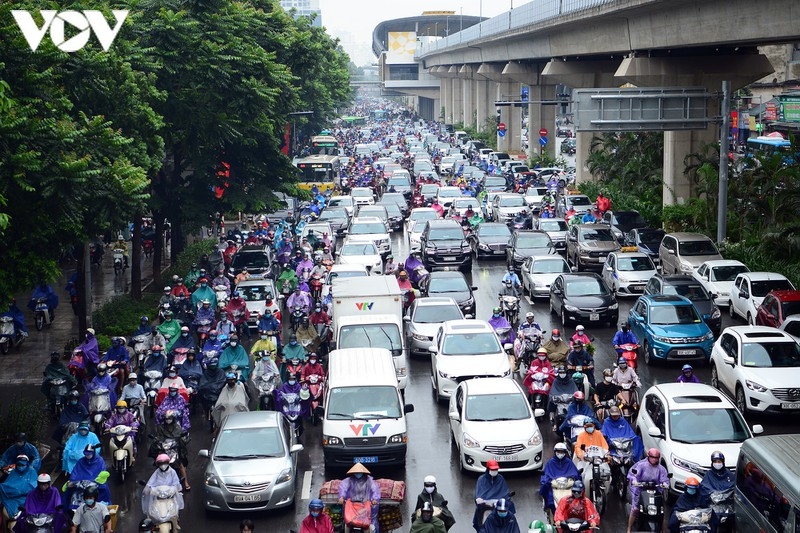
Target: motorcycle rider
<point x="623" y="336"/>
<point x="319" y="269"/>
<point x="91" y="467"/>
<point x="403" y="281"/>
<point x="91" y="352"/>
<point x="143" y="329"/>
<point x="530" y="327"/>
<point x="169" y="428"/>
<point x="232" y="398"/>
<point x="359" y="486"/>
<point x="718" y="479"/>
<point x="438" y="208"/>
<point x="580" y="335"/>
<point x="237" y="309"/>
<point x="522" y="220"/>
<point x="431" y="496"/>
<point x="287" y="281"/>
<point x="577" y="506"/>
<point x="211" y="384"/>
<point x="498" y="321"/>
<point x="191" y="370"/>
<point x="163" y="476"/>
<point x="91" y="516"/>
<point x="205" y="313"/>
<point x="204" y="292"/>
<point x="689" y="500"/>
<point x="156" y="360"/>
<point x="264" y="344"/>
<point x="102" y="380"/>
<point x="171" y="329"/>
<point x="579" y="356"/>
<point x="316" y="521"/>
<point x="192" y="276"/>
<point x="511" y="276"/>
<point x="244" y="275"/>
<point x="390" y="269"/>
<point x="171" y="380"/>
<point x="312" y="367"/>
<point x="167" y="299"/>
<point x="413" y="261"/>
<point x="20" y="447"/>
<point x="562" y="385"/>
<point x="589" y="437"/>
<point x="491" y="485"/>
<point x="133" y="391"/>
<point x="156" y="338"/>
<point x="55" y="370"/>
<point x="174" y="403"/>
<point x="687" y="375"/>
<point x="557" y="349"/>
<point x="46" y="499"/>
<point x="624" y="374"/>
<point x="73" y="449"/>
<point x="225" y="326"/>
<point x="265" y="371"/>
<point x="179" y="290"/>
<point x="221" y="279"/>
<point x="299" y="299"/>
<point x="43" y="290"/>
<point x="605" y="391"/>
<point x="558" y="466"/>
<point x="122" y="416"/>
<point x="303" y="265"/>
<point x="235" y="354"/>
<point x="19" y="319"/>
<point x="577" y="407"/>
<point x="74" y="413"/>
<point x="502" y="519"/>
<point x="542" y="364"/>
<point x="307" y="335"/>
<point x="647" y="470"/>
<point x="118" y="357"/>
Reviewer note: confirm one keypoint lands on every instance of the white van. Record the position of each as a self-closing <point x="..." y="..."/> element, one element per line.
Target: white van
<point x="364" y="418"/>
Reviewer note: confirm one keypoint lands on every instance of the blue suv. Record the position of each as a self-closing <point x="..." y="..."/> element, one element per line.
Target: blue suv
<point x="669" y="328"/>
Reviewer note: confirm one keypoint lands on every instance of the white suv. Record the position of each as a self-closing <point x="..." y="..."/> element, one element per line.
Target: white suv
<point x="749" y="290"/>
<point x="372" y="228"/>
<point x="465" y="349"/>
<point x="760" y="367"/>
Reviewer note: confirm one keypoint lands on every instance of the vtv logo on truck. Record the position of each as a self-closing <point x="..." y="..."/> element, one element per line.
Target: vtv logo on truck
<point x="364" y="306"/>
<point x="86" y="21"/>
<point x="364" y="430"/>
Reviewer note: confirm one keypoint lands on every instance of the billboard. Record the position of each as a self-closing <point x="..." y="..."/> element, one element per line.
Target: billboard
<point x="401" y="47"/>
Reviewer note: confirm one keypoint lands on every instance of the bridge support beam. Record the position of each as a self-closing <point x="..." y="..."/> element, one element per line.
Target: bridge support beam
<point x="539" y="115"/>
<point x="484" y="104"/>
<point x="466" y="74"/>
<point x="510" y="116"/>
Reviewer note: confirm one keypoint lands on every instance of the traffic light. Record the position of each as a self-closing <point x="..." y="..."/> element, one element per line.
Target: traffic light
<point x="497" y="118"/>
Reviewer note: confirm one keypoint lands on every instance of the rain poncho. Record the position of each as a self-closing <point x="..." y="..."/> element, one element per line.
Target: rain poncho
<point x="555" y="468"/>
<point x="287" y="281"/>
<point x="211" y="383"/>
<point x="717" y="480"/>
<point x="320" y="524"/>
<point x="361" y="490"/>
<point x="231" y="400"/>
<point x="412" y="263"/>
<point x="434" y="526"/>
<point x="236" y="355"/>
<point x="43" y="291"/>
<point x="269" y="323"/>
<point x="161" y="479"/>
<point x="90" y="348"/>
<point x="19" y="318"/>
<point x="204" y="293"/>
<point x="72" y="414"/>
<point x="294" y="350"/>
<point x="184" y="342"/>
<point x="556" y="351"/>
<point x="118" y="353"/>
<point x="501" y="322"/>
<point x="175" y="403"/>
<point x="561" y="386"/>
<point x="171" y="328"/>
<point x="497" y="524"/>
<point x="102" y="382"/>
<point x="203" y="314"/>
<point x="89" y="470"/>
<point x="42" y="502"/>
<point x="73" y="450"/>
<point x="16" y="487"/>
<point x="27" y="449"/>
<point x="621" y="429"/>
<point x="190" y="371"/>
<point x="436" y="500"/>
<point x="308" y="337"/>
<point x="489" y="488"/>
<point x="288" y="390"/>
<point x="686" y="502"/>
<point x="644" y="471"/>
<point x="578" y="409"/>
<point x="305" y="264"/>
<point x="155" y="362"/>
<point x="211" y="345"/>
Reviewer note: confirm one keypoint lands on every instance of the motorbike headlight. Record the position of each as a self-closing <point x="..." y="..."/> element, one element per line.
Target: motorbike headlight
<point x="285" y="476"/>
<point x="211" y="480"/>
<point x="715" y="314"/>
<point x="400" y="438"/>
<point x="469" y="442"/>
<point x="571" y="308"/>
<point x="613" y="306"/>
<point x="755" y="387"/>
<point x="330" y="440"/>
<point x="535" y="440"/>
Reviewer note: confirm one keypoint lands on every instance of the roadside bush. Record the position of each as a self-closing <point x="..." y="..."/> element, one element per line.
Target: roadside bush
<point x="191" y="254"/>
<point x="24" y="416"/>
<point x="120" y="315"/>
<point x="758" y="259"/>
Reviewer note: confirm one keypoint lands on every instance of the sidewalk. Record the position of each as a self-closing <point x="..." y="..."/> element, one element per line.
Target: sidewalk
<point x="26" y="365"/>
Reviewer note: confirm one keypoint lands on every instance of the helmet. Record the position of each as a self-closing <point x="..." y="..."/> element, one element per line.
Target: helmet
<point x="692" y="481"/>
<point x="614" y="411"/>
<point x="132" y="375"/>
<point x="429" y="480"/>
<point x="577" y="377"/>
<point x="622" y="361"/>
<point x="491" y="464"/>
<point x="102" y="367"/>
<point x="653" y="452"/>
<point x="90" y="491"/>
<point x="496" y="311"/>
<point x="170" y="414"/>
<point x="501" y="505"/>
<point x="74" y="394"/>
<point x="577" y="487"/>
<point x="587" y="421"/>
<point x="236" y="293"/>
<point x="687" y="367"/>
<point x="316" y="503"/>
<point x="560" y="447"/>
<point x="607" y="372"/>
<point x="555" y="332"/>
<point x="162" y="458"/>
<point x="717" y="455"/>
<point x="529" y="315"/>
<point x="537" y="526"/>
<point x="578" y="395"/>
<point x="542" y="350"/>
<point x="146" y="525"/>
<point x="577" y="344"/>
<point x="428" y="508"/>
<point x="122" y="403"/>
<point x="579" y="328"/>
<point x="560" y="369"/>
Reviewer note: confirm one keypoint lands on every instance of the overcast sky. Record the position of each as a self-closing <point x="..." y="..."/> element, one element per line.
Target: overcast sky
<point x="353" y="21"/>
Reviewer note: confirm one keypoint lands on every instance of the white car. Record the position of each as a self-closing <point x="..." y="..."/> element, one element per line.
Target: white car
<point x="688" y="421"/>
<point x="254" y="293"/>
<point x="374" y="229"/>
<point x="423" y="320"/>
<point x="627" y="273"/>
<point x="534" y="196"/>
<point x="415" y="223"/>
<point x="717" y="277"/>
<point x="446" y="195"/>
<point x="342" y="201"/>
<point x="465" y="349"/>
<point x="791" y="325"/>
<point x="539" y="272"/>
<point x="760" y="367"/>
<point x="319" y="228"/>
<point x="506" y="206"/>
<point x="749" y="289"/>
<point x="361" y="251"/>
<point x="491" y="419"/>
<point x="362" y="195"/>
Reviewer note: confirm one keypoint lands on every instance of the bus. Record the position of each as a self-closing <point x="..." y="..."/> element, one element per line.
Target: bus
<point x="769" y="145"/>
<point x="355" y="121"/>
<point x="320" y="170"/>
<point x="324" y="145"/>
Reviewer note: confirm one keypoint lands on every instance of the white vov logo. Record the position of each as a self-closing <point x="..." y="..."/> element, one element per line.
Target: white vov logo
<point x="85" y="21"/>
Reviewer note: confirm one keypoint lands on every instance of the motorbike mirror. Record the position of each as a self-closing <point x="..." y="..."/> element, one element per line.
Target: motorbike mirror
<point x="203" y="453"/>
<point x="151" y="436"/>
<point x="319" y="411"/>
<point x="669" y="475"/>
<point x="512" y="494"/>
<point x="654" y="432"/>
<point x="583" y="447"/>
<point x="474" y="287"/>
<point x="538" y="413"/>
<point x="444" y="503"/>
<point x="408" y="408"/>
<point x="758" y="429"/>
<point x="296" y="448"/>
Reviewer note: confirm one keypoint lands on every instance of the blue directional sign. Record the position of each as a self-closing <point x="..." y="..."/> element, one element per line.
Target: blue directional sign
<point x="501" y="133"/>
<point x="543" y="141"/>
<point x="524" y="93"/>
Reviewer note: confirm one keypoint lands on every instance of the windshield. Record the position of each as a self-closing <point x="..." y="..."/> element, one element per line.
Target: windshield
<point x="727" y="273"/>
<point x="692" y="292"/>
<point x="343" y="274"/>
<point x="332" y="213"/>
<point x="494" y="230"/>
<point x="429" y="188"/>
<point x="536" y="191"/>
<point x="628" y="219"/>
<point x="495" y="182"/>
<point x="790" y="308"/>
<point x="635" y="264"/>
<point x="492" y="407"/>
<point x="422" y="166"/>
<point x="342" y="200"/>
<point x="579" y="200"/>
<point x="360" y="248"/>
<point x="512" y="201"/>
<point x="361" y="192"/>
<point x="365" y="402"/>
<point x="434" y="314"/>
<point x="398" y="181"/>
<point x="454" y="284"/>
<point x="599" y="235"/>
<point x="449" y="193"/>
<point x="695" y="426"/>
<point x="254" y="293"/>
<point x="446" y="234"/>
<point x="533" y="240"/>
<point x="242" y="443"/>
<point x="521" y="168"/>
<point x="471" y="344"/>
<point x="416" y="216"/>
<point x="371" y="336"/>
<point x="373" y="211"/>
<point x="771" y="354"/>
<point x="254" y="261"/>
<point x="368" y="228"/>
<point x="701" y="247"/>
<point x="665" y="315"/>
<point x="549" y="266"/>
<point x="393" y="209"/>
<point x="552" y="225"/>
<point x="585" y="287"/>
<point x="470" y="202"/>
<point x="762" y="288"/>
<point x="651" y="239"/>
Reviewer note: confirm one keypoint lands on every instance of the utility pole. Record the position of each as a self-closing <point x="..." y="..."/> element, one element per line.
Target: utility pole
<point x="722" y="204"/>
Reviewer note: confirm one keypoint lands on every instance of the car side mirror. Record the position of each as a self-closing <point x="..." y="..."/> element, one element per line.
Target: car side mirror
<point x="654" y="432"/>
<point x="770" y="316"/>
<point x="556" y="291"/>
<point x="406" y="318"/>
<point x="454" y="416"/>
<point x="203" y="453"/>
<point x="408" y="408"/>
<point x="671" y="252"/>
<point x="758" y="429"/>
<point x="572" y="238"/>
<point x="743" y="294"/>
<point x="508" y="346"/>
<point x="474" y="287"/>
<point x="729" y="360"/>
<point x="610" y="269"/>
<point x="433" y="349"/>
<point x="573" y="269"/>
<point x="538" y="413"/>
<point x="296" y="448"/>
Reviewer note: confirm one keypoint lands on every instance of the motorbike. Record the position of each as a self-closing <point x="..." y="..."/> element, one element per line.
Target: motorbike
<point x="575" y="428"/>
<point x="323" y="330"/>
<point x="163" y="509"/>
<point x="630" y="402"/>
<point x="136" y="406"/>
<point x="121" y="447"/>
<point x="119" y="261"/>
<point x="291" y="408"/>
<point x="99" y="407"/>
<point x="621" y="461"/>
<point x="58" y="392"/>
<point x="298" y="314"/>
<point x="76" y="492"/>
<point x="504" y="334"/>
<point x="169" y="447"/>
<point x="571" y="525"/>
<point x="695" y="521"/>
<point x="487" y="506"/>
<point x="651" y="507"/>
<point x="151" y="385"/>
<point x="315" y="284"/>
<point x="539" y="391"/>
<point x="722" y="506"/>
<point x="266" y="391"/>
<point x="203" y="327"/>
<point x="562" y="487"/>
<point x="561" y="403"/>
<point x="314" y="386"/>
<point x="294" y="366"/>
<point x="10" y="335"/>
<point x="601" y="409"/>
<point x="525" y="350"/>
<point x="141" y="347"/>
<point x="510" y="307"/>
<point x="41" y="314"/>
<point x="630" y="353"/>
<point x="95" y="254"/>
<point x="221" y="292"/>
<point x="599" y="484"/>
<point x="39" y="523"/>
<point x="147" y="247"/>
<point x="162" y="311"/>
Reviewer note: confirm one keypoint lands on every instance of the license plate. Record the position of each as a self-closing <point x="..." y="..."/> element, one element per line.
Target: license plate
<point x="450" y="258"/>
<point x="505" y="457"/>
<point x="370" y="459"/>
<point x="594" y="316"/>
<point x="247" y="498"/>
<point x="790" y="405"/>
<point x="499" y="252"/>
<point x="685" y="352"/>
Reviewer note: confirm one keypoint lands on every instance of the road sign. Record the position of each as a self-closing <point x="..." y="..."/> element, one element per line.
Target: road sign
<point x="543" y="132"/>
<point x="543" y="141"/>
<point x="501" y="126"/>
<point x="501" y="133"/>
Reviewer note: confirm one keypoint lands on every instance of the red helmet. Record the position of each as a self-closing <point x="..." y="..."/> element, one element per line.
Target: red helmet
<point x="491" y="464"/>
<point x="692" y="481"/>
<point x="578" y="395"/>
<point x="653" y="452"/>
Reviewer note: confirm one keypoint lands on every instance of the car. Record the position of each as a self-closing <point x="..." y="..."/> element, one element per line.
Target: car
<point x="400" y="180"/>
<point x="453" y="284"/>
<point x="668" y="328"/>
<point x="443" y="245"/>
<point x="397" y="198"/>
<point x="534" y="196"/>
<point x="317" y="229"/>
<point x="646" y="240"/>
<point x="283" y="212"/>
<point x="580" y="202"/>
<point x="506" y="206"/>
<point x="556" y="228"/>
<point x="760" y="367"/>
<point x="626" y="273"/>
<point x="430" y="175"/>
<point x="527" y="243"/>
<point x="484" y="153"/>
<point x="462" y="204"/>
<point x="396" y="217"/>
<point x="415" y="223"/>
<point x="446" y="195"/>
<point x="465" y="349"/>
<point x="448" y="164"/>
<point x="497" y="158"/>
<point x="492" y="184"/>
<point x="777" y="305"/>
<point x="539" y="272"/>
<point x="583" y="297"/>
<point x="423" y="319"/>
<point x="588" y="246"/>
<point x="252" y="464"/>
<point x="490" y="239"/>
<point x="682" y="253"/>
<point x="491" y="419"/>
<point x="717" y="277"/>
<point x="422" y="166"/>
<point x="624" y="221"/>
<point x="342" y="201"/>
<point x="686" y="422"/>
<point x="568" y="146"/>
<point x="749" y="290"/>
<point x="337" y="218"/>
<point x="692" y="290"/>
<point x="256" y="259"/>
<point x="374" y="210"/>
<point x="791" y="325"/>
<point x="360" y="251"/>
<point x="429" y="192"/>
<point x="362" y="196"/>
<point x="375" y="229"/>
<point x="254" y="293"/>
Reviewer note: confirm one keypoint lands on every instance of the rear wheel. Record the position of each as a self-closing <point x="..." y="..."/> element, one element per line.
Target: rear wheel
<point x="39" y="321"/>
<point x="714" y="376"/>
<point x="741" y="401"/>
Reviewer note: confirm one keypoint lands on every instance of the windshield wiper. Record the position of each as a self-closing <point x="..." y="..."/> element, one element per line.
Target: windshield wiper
<point x="346" y="416"/>
<point x="226" y="457"/>
<point x="374" y="416"/>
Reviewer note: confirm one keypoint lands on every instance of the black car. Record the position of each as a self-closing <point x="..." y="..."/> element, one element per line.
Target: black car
<point x="646" y="240"/>
<point x="624" y="221"/>
<point x="583" y="297"/>
<point x="568" y="146"/>
<point x="692" y="290"/>
<point x="288" y="205"/>
<point x="454" y="285"/>
<point x="397" y="198"/>
<point x="443" y="245"/>
<point x="256" y="259"/>
<point x="399" y="184"/>
<point x="337" y="217"/>
<point x="396" y="217"/>
<point x="525" y="243"/>
<point x="490" y="239"/>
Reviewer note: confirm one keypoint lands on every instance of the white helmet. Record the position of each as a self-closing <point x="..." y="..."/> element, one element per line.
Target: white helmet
<point x="429" y="479"/>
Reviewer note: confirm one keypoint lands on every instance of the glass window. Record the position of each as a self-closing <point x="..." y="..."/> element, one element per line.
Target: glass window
<point x="359" y="248"/>
<point x="762" y="288"/>
<point x="494" y="230"/>
<point x="651" y="239"/>
<point x="347" y="403"/>
<point x="727" y="273"/>
<point x="471" y="344"/>
<point x="707" y="426"/>
<point x="762" y="493"/>
<point x="433" y="314"/>
<point x="246" y="443"/>
<point x="371" y="336"/>
<point x="446" y="234"/>
<point x="579" y="201"/>
<point x="549" y="224"/>
<point x="701" y="247"/>
<point x="449" y="284"/>
<point x="496" y="407"/>
<point x="600" y="235"/>
<point x="587" y="287"/>
<point x="367" y="229"/>
<point x="549" y="266"/>
<point x="533" y="240"/>
<point x="771" y="354"/>
<point x="512" y="201"/>
<point x="674" y="314"/>
<point x="635" y="264"/>
<point x="694" y="293"/>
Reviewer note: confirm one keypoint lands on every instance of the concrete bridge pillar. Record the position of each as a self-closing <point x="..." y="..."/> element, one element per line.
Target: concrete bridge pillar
<point x="447" y="100"/>
<point x="542" y="116"/>
<point x="467" y="95"/>
<point x="458" y="96"/>
<point x="484" y="103"/>
<point x="511" y="116"/>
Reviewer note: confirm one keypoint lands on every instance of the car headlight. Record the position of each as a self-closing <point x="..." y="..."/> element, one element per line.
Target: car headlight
<point x="330" y="440"/>
<point x="622" y="279"/>
<point x="613" y="306"/>
<point x="211" y="480"/>
<point x="400" y="438"/>
<point x="284" y="476"/>
<point x="715" y="314"/>
<point x="469" y="442"/>
<point x="444" y="375"/>
<point x="755" y="387"/>
<point x="417" y="337"/>
<point x="583" y="253"/>
<point x="483" y="246"/>
<point x="571" y="308"/>
<point x="686" y="267"/>
<point x="535" y="440"/>
<point x="661" y="339"/>
<point x="507" y="373"/>
<point x="708" y="336"/>
<point x="685" y="465"/>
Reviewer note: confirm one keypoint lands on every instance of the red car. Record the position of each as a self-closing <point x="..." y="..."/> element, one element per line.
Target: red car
<point x="777" y="305"/>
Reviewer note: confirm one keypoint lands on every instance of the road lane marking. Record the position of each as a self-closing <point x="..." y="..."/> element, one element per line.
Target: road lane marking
<point x="305" y="492"/>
